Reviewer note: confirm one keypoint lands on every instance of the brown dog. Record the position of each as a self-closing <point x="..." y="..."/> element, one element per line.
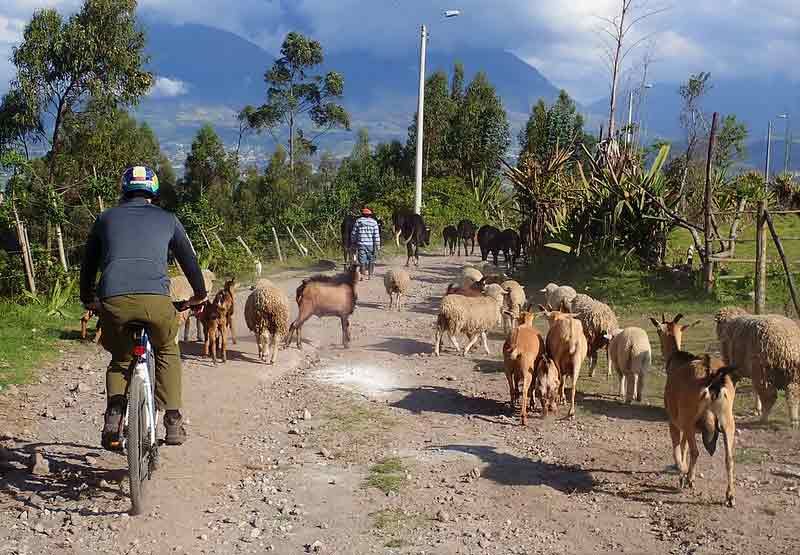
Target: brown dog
<point x="87" y="316"/>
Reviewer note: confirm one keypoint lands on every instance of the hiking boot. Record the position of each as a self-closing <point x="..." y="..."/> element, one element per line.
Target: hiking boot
<point x="110" y="438"/>
<point x="176" y="433"/>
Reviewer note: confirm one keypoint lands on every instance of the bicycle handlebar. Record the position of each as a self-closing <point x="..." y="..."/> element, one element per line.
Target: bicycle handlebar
<point x="181" y="306"/>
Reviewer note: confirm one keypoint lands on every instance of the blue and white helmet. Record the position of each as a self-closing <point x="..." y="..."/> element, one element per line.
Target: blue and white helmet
<point x="140" y="178"/>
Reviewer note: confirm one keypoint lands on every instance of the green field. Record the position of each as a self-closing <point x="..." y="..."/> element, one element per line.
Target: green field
<point x="29" y="337"/>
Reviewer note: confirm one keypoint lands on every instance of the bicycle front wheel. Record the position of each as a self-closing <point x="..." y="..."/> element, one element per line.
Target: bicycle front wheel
<point x="137" y="441"/>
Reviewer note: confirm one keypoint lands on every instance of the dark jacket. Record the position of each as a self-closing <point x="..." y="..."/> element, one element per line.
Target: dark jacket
<point x="129" y="244"/>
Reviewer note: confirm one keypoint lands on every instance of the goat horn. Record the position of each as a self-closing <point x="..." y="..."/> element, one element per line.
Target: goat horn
<point x="677" y="318"/>
<point x="663" y="318"/>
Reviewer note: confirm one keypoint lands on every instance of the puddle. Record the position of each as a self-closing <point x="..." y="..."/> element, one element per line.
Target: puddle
<point x="362" y="378"/>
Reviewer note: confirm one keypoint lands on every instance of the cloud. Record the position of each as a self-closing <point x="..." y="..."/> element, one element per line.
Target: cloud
<point x="164" y="87"/>
<point x="731" y="38"/>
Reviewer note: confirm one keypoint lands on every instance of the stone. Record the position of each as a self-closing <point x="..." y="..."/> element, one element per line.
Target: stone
<point x="294" y="432"/>
<point x="306" y="414"/>
<point x="204" y="537"/>
<point x="81" y="388"/>
<point x="39" y="466"/>
<point x="255" y="533"/>
<point x="316" y="547"/>
<point x="442" y="516"/>
<point x="325" y="453"/>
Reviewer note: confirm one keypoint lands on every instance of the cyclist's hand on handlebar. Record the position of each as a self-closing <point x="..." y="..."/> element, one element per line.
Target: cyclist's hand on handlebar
<point x="197" y="299"/>
<point x="94" y="306"/>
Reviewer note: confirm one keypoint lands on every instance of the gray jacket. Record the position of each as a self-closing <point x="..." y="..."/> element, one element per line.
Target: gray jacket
<point x="129" y="244"/>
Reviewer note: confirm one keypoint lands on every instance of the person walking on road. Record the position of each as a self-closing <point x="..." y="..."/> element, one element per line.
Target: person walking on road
<point x="366" y="238"/>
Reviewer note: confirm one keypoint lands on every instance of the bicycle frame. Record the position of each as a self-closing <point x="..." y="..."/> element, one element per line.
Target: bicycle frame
<point x="143" y="352"/>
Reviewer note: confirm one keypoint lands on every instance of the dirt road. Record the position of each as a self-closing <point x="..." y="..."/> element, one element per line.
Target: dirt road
<point x="381" y="448"/>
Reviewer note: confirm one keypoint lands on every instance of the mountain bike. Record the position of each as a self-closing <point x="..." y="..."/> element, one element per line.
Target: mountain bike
<point x="139" y="425"/>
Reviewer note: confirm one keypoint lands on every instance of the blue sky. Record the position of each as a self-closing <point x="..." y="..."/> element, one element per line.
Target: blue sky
<point x="730" y="38"/>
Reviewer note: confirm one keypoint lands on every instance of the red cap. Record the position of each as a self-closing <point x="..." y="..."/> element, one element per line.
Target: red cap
<point x="366" y="211"/>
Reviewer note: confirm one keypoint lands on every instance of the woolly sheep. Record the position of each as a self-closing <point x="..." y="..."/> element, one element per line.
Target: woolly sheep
<point x="262" y="283"/>
<point x="554" y="295"/>
<point x="470" y="275"/>
<point x="515" y="301"/>
<point x="472" y="316"/>
<point x="767" y="349"/>
<point x="597" y="319"/>
<point x="266" y="313"/>
<point x="397" y="283"/>
<point x="630" y="355"/>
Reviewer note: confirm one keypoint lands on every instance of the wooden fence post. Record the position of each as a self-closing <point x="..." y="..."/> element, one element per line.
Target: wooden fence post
<point x="708" y="266"/>
<point x="246" y="248"/>
<point x="301" y="248"/>
<point x="785" y="263"/>
<point x="27" y="259"/>
<point x="277" y="243"/>
<point x="311" y="238"/>
<point x="761" y="238"/>
<point x="221" y="244"/>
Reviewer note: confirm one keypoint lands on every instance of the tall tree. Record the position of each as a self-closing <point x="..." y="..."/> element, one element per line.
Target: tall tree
<point x="210" y="170"/>
<point x="693" y="121"/>
<point x="439" y="111"/>
<point x="294" y="96"/>
<point x="361" y="148"/>
<point x="457" y="84"/>
<point x="560" y="124"/>
<point x="97" y="52"/>
<point x="480" y="133"/>
<point x="730" y="147"/>
<point x="615" y="33"/>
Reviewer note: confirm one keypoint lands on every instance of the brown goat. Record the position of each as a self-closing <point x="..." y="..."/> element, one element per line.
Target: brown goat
<point x="698" y="395"/>
<point x="226" y="299"/>
<point x="546" y="383"/>
<point x="213" y="317"/>
<point x="87" y="316"/>
<point x="520" y="352"/>
<point x="326" y="296"/>
<point x="566" y="345"/>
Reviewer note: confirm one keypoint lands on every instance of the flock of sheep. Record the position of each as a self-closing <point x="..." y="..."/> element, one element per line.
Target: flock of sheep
<point x="699" y="391"/>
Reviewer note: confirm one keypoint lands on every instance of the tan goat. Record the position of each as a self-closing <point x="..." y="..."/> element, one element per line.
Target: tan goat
<point x="566" y="345"/>
<point x="520" y="353"/>
<point x="698" y="395"/>
<point x="546" y="383"/>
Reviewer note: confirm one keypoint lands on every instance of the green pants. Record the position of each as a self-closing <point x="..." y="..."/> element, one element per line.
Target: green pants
<point x="159" y="314"/>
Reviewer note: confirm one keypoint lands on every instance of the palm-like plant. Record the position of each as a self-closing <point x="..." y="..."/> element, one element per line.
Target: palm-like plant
<point x="489" y="193"/>
<point x="544" y="192"/>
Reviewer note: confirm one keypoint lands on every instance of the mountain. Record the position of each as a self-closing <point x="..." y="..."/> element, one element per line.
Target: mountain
<point x="206" y="75"/>
<point x="752" y="103"/>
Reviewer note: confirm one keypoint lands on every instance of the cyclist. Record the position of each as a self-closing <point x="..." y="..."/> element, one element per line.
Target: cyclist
<point x="129" y="244"/>
<point x="366" y="238"/>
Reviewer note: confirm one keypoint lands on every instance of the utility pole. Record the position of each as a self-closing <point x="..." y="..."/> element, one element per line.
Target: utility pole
<point x="420" y="121"/>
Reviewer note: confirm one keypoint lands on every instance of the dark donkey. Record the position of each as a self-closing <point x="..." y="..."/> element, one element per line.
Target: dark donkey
<point x="467" y="232"/>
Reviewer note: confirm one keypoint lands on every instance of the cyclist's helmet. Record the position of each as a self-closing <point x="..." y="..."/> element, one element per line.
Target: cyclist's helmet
<point x="140" y="178"/>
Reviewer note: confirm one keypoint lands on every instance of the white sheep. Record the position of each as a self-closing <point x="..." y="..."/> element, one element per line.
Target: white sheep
<point x="767" y="349"/>
<point x="470" y="275"/>
<point x="630" y="355"/>
<point x="397" y="283"/>
<point x="598" y="319"/>
<point x="515" y="301"/>
<point x="266" y="313"/>
<point x="555" y="295"/>
<point x="473" y="316"/>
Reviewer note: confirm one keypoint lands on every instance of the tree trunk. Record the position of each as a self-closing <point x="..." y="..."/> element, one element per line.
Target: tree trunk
<point x="291" y="143"/>
<point x="734" y="232"/>
<point x="61" y="253"/>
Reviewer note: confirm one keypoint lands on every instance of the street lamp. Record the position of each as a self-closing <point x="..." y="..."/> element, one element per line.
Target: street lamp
<point x="420" y="110"/>
<point x="787" y="145"/>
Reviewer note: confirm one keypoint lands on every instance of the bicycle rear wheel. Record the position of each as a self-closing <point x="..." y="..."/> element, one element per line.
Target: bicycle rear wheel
<point x="137" y="443"/>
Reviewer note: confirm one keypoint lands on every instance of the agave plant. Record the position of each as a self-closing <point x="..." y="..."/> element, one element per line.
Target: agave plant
<point x="59" y="297"/>
<point x="489" y="193"/>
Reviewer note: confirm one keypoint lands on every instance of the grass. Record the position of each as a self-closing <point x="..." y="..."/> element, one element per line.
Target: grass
<point x="389" y="475"/>
<point x="28" y="338"/>
<point x="750" y="455"/>
<point x="393" y="519"/>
